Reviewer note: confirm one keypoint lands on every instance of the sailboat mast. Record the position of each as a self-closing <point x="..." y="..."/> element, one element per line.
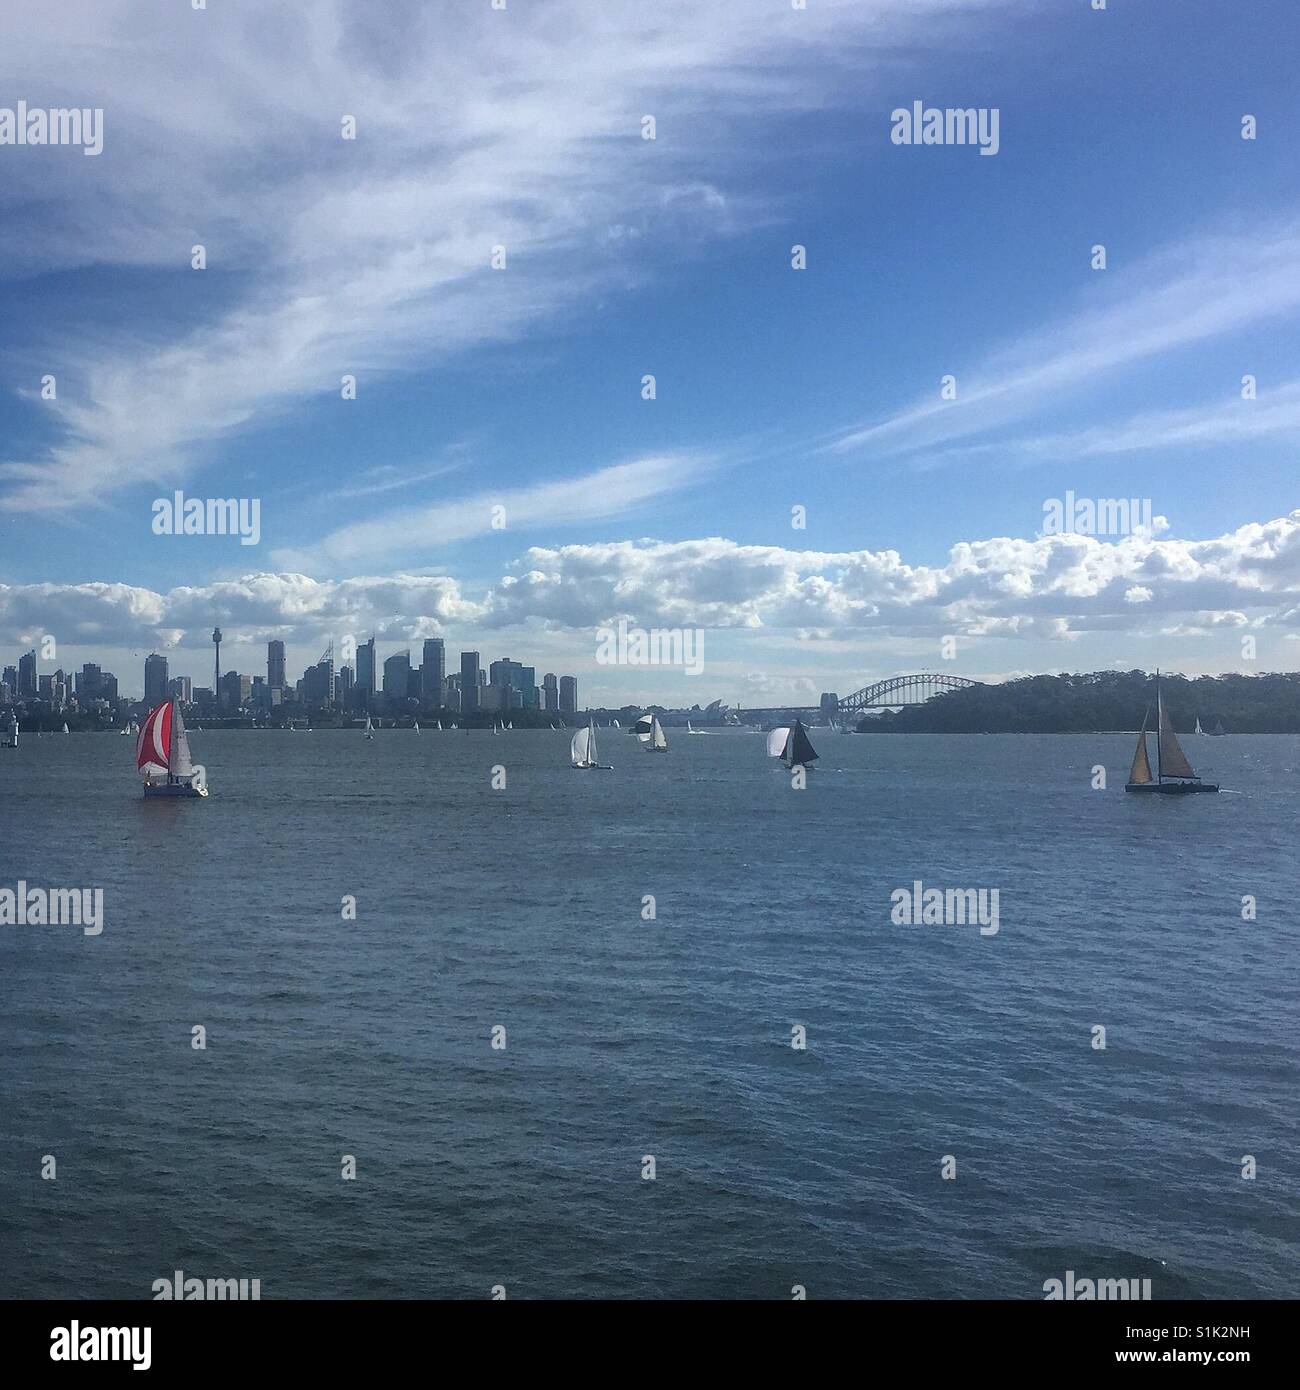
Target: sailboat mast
<point x="1160" y="730"/>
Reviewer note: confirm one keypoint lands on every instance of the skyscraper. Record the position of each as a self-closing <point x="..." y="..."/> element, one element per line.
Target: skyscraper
<point x="433" y="671"/>
<point x="469" y="682"/>
<point x="155" y="679"/>
<point x="275" y="664"/>
<point x="365" y="682"/>
<point x="27" y="675"/>
<point x="568" y="694"/>
<point x="397" y="676"/>
<point x="550" y="692"/>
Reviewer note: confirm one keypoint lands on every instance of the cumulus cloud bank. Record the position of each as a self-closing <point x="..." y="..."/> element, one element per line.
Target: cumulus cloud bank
<point x="1052" y="586"/>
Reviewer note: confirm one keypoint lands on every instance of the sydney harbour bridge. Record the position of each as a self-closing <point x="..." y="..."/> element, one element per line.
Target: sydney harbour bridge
<point x="894" y="692"/>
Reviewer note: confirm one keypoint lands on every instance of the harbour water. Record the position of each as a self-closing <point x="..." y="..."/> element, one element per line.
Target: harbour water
<point x="626" y="1037"/>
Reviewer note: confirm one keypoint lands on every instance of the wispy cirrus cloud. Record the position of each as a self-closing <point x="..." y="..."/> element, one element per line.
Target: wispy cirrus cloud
<point x="475" y="127"/>
<point x="1183" y="296"/>
<point x="409" y="532"/>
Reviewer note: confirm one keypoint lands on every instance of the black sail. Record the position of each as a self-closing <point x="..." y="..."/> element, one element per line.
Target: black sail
<point x="799" y="749"/>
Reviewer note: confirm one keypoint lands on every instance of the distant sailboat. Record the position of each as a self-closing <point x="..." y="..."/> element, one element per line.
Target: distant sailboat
<point x="1218" y="731"/>
<point x="792" y="745"/>
<point x="65" y="728"/>
<point x="370" y="728"/>
<point x="440" y="726"/>
<point x="11" y="740"/>
<point x="511" y="725"/>
<point x="162" y="755"/>
<point x="1198" y="729"/>
<point x="1171" y="761"/>
<point x="417" y="726"/>
<point x="650" y="734"/>
<point x="582" y="751"/>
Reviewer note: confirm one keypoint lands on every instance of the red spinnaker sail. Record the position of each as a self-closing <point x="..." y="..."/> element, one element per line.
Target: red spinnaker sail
<point x="154" y="746"/>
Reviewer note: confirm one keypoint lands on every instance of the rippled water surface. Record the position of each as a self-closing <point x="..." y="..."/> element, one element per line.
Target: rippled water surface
<point x="671" y="1037"/>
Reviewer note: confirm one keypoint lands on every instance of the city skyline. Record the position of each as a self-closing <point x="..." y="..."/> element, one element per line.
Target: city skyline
<point x="323" y="684"/>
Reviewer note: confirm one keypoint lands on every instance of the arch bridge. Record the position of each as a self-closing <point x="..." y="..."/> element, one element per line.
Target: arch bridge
<point x="898" y="691"/>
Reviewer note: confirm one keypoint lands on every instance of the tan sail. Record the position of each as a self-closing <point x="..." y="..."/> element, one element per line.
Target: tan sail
<point x="1173" y="761"/>
<point x="1141" y="769"/>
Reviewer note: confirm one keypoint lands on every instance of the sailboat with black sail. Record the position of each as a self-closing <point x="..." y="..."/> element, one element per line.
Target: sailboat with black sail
<point x="1174" y="775"/>
<point x="792" y="745"/>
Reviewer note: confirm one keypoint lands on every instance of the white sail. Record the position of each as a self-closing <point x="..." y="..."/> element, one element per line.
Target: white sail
<point x="776" y="742"/>
<point x="65" y="728"/>
<point x="369" y="726"/>
<point x="580" y="750"/>
<point x="644" y="728"/>
<point x="182" y="764"/>
<point x="1199" y="730"/>
<point x="657" y="739"/>
<point x="440" y="726"/>
<point x="417" y="726"/>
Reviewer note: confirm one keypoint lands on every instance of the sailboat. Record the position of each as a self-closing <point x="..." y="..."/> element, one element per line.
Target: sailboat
<point x="582" y="751"/>
<point x="792" y="745"/>
<point x="162" y="755"/>
<point x="1218" y="731"/>
<point x="1171" y="761"/>
<point x="11" y="740"/>
<point x="440" y="726"/>
<point x="65" y="727"/>
<point x="1198" y="729"/>
<point x="511" y="725"/>
<point x="370" y="728"/>
<point x="417" y="726"/>
<point x="650" y="734"/>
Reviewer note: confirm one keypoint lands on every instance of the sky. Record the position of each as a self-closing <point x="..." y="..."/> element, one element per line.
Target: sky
<point x="802" y="488"/>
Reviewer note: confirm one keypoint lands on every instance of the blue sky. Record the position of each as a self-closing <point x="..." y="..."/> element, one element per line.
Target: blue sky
<point x="775" y="387"/>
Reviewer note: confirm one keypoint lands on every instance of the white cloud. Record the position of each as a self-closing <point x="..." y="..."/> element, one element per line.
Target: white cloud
<point x="608" y="492"/>
<point x="1187" y="294"/>
<point x="475" y="127"/>
<point x="1052" y="588"/>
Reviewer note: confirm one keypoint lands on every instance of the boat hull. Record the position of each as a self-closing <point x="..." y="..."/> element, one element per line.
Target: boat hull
<point x="185" y="789"/>
<point x="1171" y="788"/>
